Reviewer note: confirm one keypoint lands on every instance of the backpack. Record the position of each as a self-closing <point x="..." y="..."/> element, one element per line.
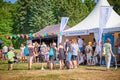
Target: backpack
<point x="26" y="51"/>
<point x="87" y="50"/>
<point x="51" y="52"/>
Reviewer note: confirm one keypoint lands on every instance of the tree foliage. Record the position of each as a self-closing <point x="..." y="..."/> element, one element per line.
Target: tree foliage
<point x="33" y="15"/>
<point x="74" y="9"/>
<point x="26" y="16"/>
<point x="7" y="13"/>
<point x="116" y="5"/>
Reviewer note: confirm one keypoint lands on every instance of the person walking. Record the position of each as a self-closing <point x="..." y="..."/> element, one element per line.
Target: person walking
<point x="107" y="50"/>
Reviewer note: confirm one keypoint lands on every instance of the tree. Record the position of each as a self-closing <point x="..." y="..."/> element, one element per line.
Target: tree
<point x="33" y="15"/>
<point x="7" y="12"/>
<point x="42" y="14"/>
<point x="74" y="9"/>
<point x="22" y="17"/>
<point x="116" y="5"/>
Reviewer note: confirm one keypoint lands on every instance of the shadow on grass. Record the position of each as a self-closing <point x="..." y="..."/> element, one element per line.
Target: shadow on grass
<point x="95" y="69"/>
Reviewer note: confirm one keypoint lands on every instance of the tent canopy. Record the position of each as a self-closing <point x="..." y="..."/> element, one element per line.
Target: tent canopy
<point x="91" y="23"/>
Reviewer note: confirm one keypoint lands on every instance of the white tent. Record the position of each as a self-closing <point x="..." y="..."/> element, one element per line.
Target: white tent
<point x="91" y="23"/>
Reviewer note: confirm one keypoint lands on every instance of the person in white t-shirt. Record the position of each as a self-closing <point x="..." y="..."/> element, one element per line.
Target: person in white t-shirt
<point x="5" y="51"/>
<point x="80" y="44"/>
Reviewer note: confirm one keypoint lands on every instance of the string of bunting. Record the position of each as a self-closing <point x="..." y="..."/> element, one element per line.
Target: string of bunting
<point x="30" y="35"/>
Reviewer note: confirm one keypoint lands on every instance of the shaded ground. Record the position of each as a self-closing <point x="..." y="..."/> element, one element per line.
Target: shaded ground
<point x="20" y="72"/>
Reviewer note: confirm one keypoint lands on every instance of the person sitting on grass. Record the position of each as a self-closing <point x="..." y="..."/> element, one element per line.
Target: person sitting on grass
<point x="10" y="55"/>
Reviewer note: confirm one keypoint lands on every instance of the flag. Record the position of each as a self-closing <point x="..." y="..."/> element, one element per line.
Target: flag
<point x="95" y="1"/>
<point x="105" y="12"/>
<point x="64" y="21"/>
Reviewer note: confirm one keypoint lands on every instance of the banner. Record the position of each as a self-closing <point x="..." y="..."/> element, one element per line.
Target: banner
<point x="105" y="12"/>
<point x="95" y="1"/>
<point x="74" y="33"/>
<point x="64" y="21"/>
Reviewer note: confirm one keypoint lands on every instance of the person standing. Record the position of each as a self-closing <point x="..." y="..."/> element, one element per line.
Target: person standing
<point x="107" y="50"/>
<point x="88" y="51"/>
<point x="5" y="51"/>
<point x="10" y="55"/>
<point x="11" y="46"/>
<point x="52" y="55"/>
<point x="118" y="46"/>
<point x="94" y="45"/>
<point x="61" y="55"/>
<point x="36" y="48"/>
<point x="31" y="54"/>
<point x="68" y="53"/>
<point x="22" y="52"/>
<point x="80" y="43"/>
<point x="75" y="51"/>
<point x="43" y="52"/>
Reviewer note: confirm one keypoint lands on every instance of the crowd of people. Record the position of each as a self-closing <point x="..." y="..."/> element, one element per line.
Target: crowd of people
<point x="70" y="54"/>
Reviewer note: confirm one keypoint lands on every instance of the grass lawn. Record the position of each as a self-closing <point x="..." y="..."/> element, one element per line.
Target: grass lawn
<point x="20" y="72"/>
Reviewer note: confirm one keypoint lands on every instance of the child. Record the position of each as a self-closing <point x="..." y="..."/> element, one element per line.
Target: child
<point x="88" y="51"/>
<point x="10" y="55"/>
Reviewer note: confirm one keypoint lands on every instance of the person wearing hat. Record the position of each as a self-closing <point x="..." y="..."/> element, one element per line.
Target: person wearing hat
<point x="10" y="55"/>
<point x="107" y="49"/>
<point x="88" y="51"/>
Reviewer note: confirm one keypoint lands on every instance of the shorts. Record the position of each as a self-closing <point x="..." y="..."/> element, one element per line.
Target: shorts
<point x="74" y="57"/>
<point x="4" y="52"/>
<point x="89" y="58"/>
<point x="30" y="58"/>
<point x="81" y="49"/>
<point x="41" y="58"/>
<point x="10" y="62"/>
<point x="51" y="58"/>
<point x="69" y="56"/>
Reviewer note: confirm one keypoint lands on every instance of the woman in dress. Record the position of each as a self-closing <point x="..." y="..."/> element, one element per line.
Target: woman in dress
<point x="61" y="55"/>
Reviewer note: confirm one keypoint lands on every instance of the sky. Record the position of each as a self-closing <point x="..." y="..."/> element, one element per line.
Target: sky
<point x="12" y="1"/>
